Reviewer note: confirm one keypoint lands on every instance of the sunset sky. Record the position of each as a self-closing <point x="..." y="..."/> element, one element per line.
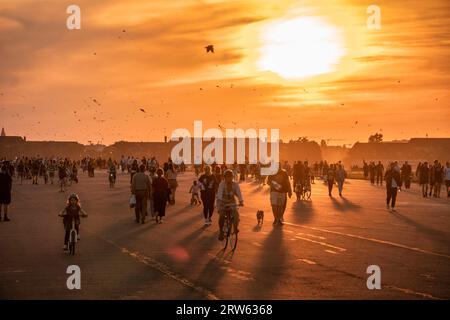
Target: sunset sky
<point x="308" y="68"/>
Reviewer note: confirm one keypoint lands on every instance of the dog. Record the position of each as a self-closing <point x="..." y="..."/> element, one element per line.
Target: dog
<point x="260" y="217"/>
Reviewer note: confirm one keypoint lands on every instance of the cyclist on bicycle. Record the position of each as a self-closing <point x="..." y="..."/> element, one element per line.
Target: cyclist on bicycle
<point x="112" y="171"/>
<point x="72" y="211"/>
<point x="308" y="176"/>
<point x="226" y="197"/>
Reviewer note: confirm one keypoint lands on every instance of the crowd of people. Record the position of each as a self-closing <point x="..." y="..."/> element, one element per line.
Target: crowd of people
<point x="153" y="185"/>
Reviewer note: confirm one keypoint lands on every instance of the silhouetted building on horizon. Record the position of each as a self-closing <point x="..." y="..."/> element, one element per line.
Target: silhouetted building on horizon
<point x="413" y="150"/>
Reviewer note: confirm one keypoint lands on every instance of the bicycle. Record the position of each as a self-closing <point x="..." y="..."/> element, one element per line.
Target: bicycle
<point x="112" y="180"/>
<point x="306" y="192"/>
<point x="73" y="238"/>
<point x="303" y="190"/>
<point x="229" y="227"/>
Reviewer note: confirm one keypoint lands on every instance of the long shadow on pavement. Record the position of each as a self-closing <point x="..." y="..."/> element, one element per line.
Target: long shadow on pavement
<point x="345" y="205"/>
<point x="302" y="211"/>
<point x="434" y="234"/>
<point x="272" y="263"/>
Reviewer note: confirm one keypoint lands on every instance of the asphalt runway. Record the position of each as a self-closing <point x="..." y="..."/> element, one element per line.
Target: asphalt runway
<point x="322" y="251"/>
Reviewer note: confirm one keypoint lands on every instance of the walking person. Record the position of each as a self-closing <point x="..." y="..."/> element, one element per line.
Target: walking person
<point x="406" y="174"/>
<point x="393" y="183"/>
<point x="171" y="175"/>
<point x="5" y="192"/>
<point x="51" y="171"/>
<point x="341" y="175"/>
<point x="438" y="179"/>
<point x="424" y="178"/>
<point x="160" y="191"/>
<point x="134" y="168"/>
<point x="209" y="186"/>
<point x="447" y="178"/>
<point x="21" y="171"/>
<point x="365" y="170"/>
<point x="432" y="181"/>
<point x="141" y="188"/>
<point x="379" y="172"/>
<point x="372" y="172"/>
<point x="280" y="187"/>
<point x="35" y="170"/>
<point x="331" y="176"/>
<point x="62" y="175"/>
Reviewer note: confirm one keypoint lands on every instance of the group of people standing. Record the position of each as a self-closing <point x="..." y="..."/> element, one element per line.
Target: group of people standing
<point x="432" y="176"/>
<point x="374" y="171"/>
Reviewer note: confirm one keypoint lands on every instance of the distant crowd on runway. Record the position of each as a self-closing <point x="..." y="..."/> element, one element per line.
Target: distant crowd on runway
<point x="153" y="186"/>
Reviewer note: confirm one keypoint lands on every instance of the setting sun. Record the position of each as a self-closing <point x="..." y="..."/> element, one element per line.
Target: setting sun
<point x="300" y="48"/>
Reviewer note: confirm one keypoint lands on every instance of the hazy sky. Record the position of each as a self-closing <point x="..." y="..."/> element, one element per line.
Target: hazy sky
<point x="308" y="68"/>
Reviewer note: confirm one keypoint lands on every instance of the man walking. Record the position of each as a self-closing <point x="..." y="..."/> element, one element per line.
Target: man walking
<point x="379" y="172"/>
<point x="424" y="178"/>
<point x="341" y="174"/>
<point x="141" y="188"/>
<point x="393" y="182"/>
<point x="406" y="174"/>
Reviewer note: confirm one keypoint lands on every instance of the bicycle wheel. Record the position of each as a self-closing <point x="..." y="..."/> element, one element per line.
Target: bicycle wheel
<point x="72" y="248"/>
<point x="72" y="241"/>
<point x="308" y="194"/>
<point x="232" y="235"/>
<point x="227" y="233"/>
<point x="226" y="230"/>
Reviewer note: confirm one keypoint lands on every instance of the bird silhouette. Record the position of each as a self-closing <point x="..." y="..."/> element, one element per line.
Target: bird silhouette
<point x="142" y="110"/>
<point x="209" y="48"/>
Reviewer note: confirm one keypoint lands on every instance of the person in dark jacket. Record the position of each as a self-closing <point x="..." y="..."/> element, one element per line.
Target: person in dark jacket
<point x="379" y="173"/>
<point x="331" y="178"/>
<point x="424" y="178"/>
<point x="393" y="183"/>
<point x="209" y="186"/>
<point x="5" y="192"/>
<point x="372" y="172"/>
<point x="365" y="170"/>
<point x="406" y="172"/>
<point x="161" y="190"/>
<point x="141" y="188"/>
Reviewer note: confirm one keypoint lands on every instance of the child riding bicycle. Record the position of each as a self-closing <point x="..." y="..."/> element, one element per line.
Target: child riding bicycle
<point x="194" y="191"/>
<point x="72" y="212"/>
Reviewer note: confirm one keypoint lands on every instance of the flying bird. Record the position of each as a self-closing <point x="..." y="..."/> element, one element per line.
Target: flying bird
<point x="142" y="110"/>
<point x="209" y="48"/>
